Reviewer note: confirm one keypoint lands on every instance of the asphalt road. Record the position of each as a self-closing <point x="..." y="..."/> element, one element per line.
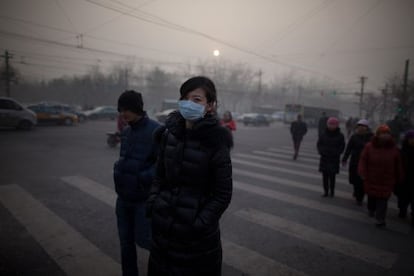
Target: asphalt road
<point x="57" y="210"/>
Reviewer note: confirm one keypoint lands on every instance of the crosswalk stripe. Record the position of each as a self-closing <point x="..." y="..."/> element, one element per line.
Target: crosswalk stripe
<point x="231" y="256"/>
<point x="285" y="170"/>
<point x="253" y="263"/>
<point x="87" y="185"/>
<point x="313" y="204"/>
<point x="301" y="153"/>
<point x="335" y="243"/>
<point x="296" y="184"/>
<point x="285" y="156"/>
<point x="107" y="196"/>
<point x="310" y="150"/>
<point x="74" y="254"/>
<point x="282" y="162"/>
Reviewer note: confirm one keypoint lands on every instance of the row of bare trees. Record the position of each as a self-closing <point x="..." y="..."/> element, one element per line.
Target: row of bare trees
<point x="239" y="89"/>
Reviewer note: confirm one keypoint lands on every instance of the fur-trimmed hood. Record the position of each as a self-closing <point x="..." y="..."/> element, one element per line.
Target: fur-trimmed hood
<point x="207" y="130"/>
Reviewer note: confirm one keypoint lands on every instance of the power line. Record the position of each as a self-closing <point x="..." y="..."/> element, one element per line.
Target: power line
<point x="66" y="14"/>
<point x="91" y="36"/>
<point x="170" y="25"/>
<point x="37" y="24"/>
<point x="352" y="26"/>
<point x="116" y="17"/>
<point x="298" y="22"/>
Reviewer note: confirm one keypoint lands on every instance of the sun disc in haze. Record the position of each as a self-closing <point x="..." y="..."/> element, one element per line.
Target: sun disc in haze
<point x="216" y="53"/>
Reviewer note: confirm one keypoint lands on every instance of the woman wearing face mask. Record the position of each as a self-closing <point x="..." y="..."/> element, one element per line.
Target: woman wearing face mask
<point x="380" y="167"/>
<point x="354" y="148"/>
<point x="330" y="146"/>
<point x="192" y="187"/>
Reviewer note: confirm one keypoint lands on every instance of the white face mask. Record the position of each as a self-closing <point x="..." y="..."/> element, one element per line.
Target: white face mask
<point x="190" y="110"/>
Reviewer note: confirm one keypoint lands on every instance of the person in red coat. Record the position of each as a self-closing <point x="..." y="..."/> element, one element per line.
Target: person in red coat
<point x="228" y="122"/>
<point x="380" y="167"/>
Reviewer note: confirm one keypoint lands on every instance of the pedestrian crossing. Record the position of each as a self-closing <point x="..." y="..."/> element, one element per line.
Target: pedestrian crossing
<point x="67" y="247"/>
<point x="75" y="255"/>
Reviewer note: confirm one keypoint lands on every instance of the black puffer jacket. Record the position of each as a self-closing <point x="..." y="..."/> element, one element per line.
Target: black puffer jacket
<point x="330" y="145"/>
<point x="192" y="189"/>
<point x="354" y="148"/>
<point x="406" y="187"/>
<point x="298" y="129"/>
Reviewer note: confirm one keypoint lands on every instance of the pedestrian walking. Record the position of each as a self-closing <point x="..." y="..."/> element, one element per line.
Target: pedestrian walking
<point x="381" y="169"/>
<point x="133" y="175"/>
<point x="298" y="129"/>
<point x="322" y="124"/>
<point x="330" y="146"/>
<point x="405" y="189"/>
<point x="227" y="121"/>
<point x="192" y="187"/>
<point x="349" y="125"/>
<point x="353" y="149"/>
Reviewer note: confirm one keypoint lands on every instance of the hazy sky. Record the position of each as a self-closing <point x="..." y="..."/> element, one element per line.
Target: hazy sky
<point x="336" y="39"/>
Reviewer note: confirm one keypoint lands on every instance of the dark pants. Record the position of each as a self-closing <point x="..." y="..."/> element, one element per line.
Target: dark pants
<point x="378" y="206"/>
<point x="404" y="200"/>
<point x="329" y="183"/>
<point x="359" y="190"/>
<point x="133" y="228"/>
<point x="296" y="145"/>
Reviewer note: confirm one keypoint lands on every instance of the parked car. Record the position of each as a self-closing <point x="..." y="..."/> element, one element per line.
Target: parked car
<point x="71" y="109"/>
<point x="102" y="112"/>
<point x="278" y="116"/>
<point x="47" y="113"/>
<point x="13" y="114"/>
<point x="255" y="119"/>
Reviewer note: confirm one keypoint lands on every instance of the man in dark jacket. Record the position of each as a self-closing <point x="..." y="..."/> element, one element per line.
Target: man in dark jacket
<point x="354" y="148"/>
<point x="405" y="189"/>
<point x="133" y="175"/>
<point x="298" y="129"/>
<point x="322" y="124"/>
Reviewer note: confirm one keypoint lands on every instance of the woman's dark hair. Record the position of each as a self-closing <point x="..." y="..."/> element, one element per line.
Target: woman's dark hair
<point x="199" y="82"/>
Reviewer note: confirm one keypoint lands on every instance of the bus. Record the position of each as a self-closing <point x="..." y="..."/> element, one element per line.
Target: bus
<point x="310" y="114"/>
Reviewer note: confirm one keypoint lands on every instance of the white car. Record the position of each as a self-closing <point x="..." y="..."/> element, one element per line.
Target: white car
<point x="162" y="115"/>
<point x="13" y="114"/>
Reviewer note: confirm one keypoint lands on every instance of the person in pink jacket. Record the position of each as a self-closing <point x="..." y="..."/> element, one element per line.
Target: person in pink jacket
<point x="380" y="167"/>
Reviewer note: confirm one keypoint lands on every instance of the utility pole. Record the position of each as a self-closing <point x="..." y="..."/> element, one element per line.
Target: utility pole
<point x="405" y="87"/>
<point x="361" y="94"/>
<point x="260" y="82"/>
<point x="126" y="82"/>
<point x="7" y="73"/>
<point x="384" y="103"/>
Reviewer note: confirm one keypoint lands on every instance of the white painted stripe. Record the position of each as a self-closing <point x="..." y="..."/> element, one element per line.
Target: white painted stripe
<point x="87" y="185"/>
<point x="297" y="184"/>
<point x="107" y="196"/>
<point x="282" y="162"/>
<point x="332" y="242"/>
<point x="315" y="205"/>
<point x="286" y="156"/>
<point x="285" y="170"/>
<point x="253" y="263"/>
<point x="74" y="254"/>
<point x="302" y="153"/>
<point x="232" y="253"/>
